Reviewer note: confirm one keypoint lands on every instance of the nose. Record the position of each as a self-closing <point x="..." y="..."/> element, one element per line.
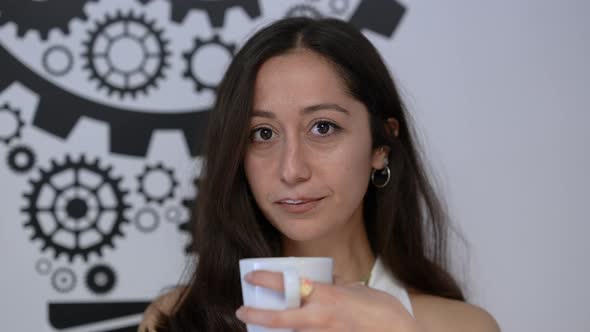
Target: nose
<point x="294" y="167"/>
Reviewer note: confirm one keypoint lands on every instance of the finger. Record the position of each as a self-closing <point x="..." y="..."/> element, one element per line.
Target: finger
<point x="267" y="279"/>
<point x="297" y="318"/>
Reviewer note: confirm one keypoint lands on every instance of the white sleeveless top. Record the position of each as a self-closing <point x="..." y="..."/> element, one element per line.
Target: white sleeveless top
<point x="383" y="280"/>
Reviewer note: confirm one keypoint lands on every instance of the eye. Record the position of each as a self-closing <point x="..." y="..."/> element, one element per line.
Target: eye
<point x="325" y="128"/>
<point x="261" y="134"/>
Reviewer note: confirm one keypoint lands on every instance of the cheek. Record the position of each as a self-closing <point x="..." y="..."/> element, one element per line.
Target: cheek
<point x="348" y="170"/>
<point x="257" y="173"/>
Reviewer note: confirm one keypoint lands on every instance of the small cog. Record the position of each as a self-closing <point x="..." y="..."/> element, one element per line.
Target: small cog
<point x="57" y="51"/>
<point x="41" y="16"/>
<point x="126" y="54"/>
<point x="215" y="9"/>
<point x="101" y="279"/>
<point x="304" y="11"/>
<point x="43" y="266"/>
<point x="21" y="159"/>
<point x="147" y="220"/>
<point x="76" y="208"/>
<point x="173" y="214"/>
<point x="191" y="72"/>
<point x="148" y="173"/>
<point x="7" y="110"/>
<point x="63" y="280"/>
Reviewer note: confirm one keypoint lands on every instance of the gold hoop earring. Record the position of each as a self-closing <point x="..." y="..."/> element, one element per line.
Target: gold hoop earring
<point x="383" y="170"/>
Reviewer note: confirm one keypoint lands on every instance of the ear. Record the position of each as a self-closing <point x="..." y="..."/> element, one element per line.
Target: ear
<point x="392" y="127"/>
<point x="380" y="154"/>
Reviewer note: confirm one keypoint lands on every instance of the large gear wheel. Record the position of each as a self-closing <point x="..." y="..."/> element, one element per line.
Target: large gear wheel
<point x="18" y="121"/>
<point x="157" y="197"/>
<point x="106" y="45"/>
<point x="79" y="214"/>
<point x="41" y="16"/>
<point x="215" y="9"/>
<point x="191" y="72"/>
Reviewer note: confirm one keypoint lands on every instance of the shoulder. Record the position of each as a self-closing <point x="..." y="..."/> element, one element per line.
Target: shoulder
<point x="162" y="305"/>
<point x="438" y="314"/>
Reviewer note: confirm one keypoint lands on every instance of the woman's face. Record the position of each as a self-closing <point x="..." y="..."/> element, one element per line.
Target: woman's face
<point x="309" y="158"/>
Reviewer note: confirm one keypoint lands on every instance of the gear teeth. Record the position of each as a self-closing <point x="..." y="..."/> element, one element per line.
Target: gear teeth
<point x="192" y="122"/>
<point x="47" y="238"/>
<point x="190" y="72"/>
<point x="151" y="78"/>
<point x="6" y="107"/>
<point x="55" y="15"/>
<point x="157" y="167"/>
<point x="216" y="10"/>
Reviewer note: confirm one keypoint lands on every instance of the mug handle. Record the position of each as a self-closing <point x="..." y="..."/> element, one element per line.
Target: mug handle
<point x="292" y="284"/>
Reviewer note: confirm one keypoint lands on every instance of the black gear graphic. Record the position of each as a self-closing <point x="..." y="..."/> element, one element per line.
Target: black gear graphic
<point x="15" y="157"/>
<point x="305" y="11"/>
<point x="186" y="225"/>
<point x="380" y="16"/>
<point x="151" y="225"/>
<point x="191" y="72"/>
<point x="101" y="279"/>
<point x="114" y="77"/>
<point x="159" y="198"/>
<point x="63" y="280"/>
<point x="215" y="9"/>
<point x="19" y="123"/>
<point x="77" y="212"/>
<point x="41" y="16"/>
<point x="121" y="122"/>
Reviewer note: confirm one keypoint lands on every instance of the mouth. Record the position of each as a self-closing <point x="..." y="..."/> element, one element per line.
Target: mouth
<point x="300" y="205"/>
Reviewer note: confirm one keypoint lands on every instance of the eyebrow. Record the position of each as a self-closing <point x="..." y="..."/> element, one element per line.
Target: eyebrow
<point x="306" y="110"/>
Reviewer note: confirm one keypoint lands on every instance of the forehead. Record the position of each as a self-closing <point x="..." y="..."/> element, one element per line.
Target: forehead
<point x="296" y="79"/>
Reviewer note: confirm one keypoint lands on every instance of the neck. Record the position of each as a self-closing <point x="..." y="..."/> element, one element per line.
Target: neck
<point x="349" y="247"/>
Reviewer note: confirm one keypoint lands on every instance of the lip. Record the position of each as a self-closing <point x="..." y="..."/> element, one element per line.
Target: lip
<point x="307" y="205"/>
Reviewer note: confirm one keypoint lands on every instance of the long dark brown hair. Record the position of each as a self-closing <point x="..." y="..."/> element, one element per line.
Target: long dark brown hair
<point x="405" y="221"/>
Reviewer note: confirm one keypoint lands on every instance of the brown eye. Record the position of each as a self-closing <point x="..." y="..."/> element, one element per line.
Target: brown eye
<point x="325" y="128"/>
<point x="261" y="134"/>
<point x="265" y="133"/>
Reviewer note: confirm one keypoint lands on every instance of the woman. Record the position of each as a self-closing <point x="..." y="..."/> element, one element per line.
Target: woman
<point x="310" y="153"/>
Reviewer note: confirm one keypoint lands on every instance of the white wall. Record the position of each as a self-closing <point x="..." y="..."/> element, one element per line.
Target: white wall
<point x="501" y="91"/>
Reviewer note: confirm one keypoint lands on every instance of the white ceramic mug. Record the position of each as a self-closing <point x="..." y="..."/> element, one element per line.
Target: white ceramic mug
<point x="293" y="268"/>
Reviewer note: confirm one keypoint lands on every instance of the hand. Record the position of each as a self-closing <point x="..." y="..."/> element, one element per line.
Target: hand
<point x="338" y="307"/>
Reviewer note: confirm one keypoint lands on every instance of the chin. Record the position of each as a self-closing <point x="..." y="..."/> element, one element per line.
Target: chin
<point x="305" y="231"/>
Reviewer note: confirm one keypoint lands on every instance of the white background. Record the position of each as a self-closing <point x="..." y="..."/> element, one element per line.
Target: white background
<point x="501" y="91"/>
